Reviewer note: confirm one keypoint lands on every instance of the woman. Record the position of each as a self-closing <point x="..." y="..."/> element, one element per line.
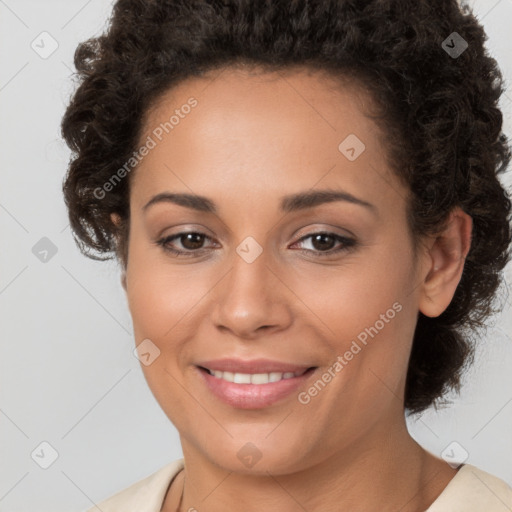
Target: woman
<point x="304" y="200"/>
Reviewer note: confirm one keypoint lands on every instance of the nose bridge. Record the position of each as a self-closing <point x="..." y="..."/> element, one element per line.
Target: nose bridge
<point x="250" y="277"/>
<point x="251" y="295"/>
<point x="251" y="266"/>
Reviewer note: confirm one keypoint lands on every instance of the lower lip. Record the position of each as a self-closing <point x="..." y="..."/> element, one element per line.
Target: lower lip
<point x="253" y="396"/>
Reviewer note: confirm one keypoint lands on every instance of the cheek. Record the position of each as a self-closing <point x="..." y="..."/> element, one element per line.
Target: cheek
<point x="158" y="295"/>
<point x="162" y="303"/>
<point x="369" y="310"/>
<point x="161" y="300"/>
<point x="358" y="294"/>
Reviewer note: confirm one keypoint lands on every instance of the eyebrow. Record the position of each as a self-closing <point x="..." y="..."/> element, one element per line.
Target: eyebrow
<point x="290" y="203"/>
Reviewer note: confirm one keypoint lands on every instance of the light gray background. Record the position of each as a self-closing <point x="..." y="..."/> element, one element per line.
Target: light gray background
<point x="68" y="374"/>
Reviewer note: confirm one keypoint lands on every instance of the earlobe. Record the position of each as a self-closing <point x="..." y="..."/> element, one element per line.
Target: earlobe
<point x="447" y="251"/>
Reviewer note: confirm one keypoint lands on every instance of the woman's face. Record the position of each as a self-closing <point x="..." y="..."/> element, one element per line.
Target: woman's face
<point x="256" y="283"/>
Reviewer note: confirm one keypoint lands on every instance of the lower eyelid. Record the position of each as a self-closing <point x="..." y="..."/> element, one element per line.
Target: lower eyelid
<point x="344" y="243"/>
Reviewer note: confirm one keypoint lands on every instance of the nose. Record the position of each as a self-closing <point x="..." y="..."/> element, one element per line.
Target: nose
<point x="251" y="300"/>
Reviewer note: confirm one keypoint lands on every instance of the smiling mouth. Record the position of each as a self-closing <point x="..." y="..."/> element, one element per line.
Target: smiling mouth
<point x="255" y="378"/>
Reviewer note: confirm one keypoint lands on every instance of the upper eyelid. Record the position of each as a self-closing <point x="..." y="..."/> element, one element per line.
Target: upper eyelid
<point x="177" y="236"/>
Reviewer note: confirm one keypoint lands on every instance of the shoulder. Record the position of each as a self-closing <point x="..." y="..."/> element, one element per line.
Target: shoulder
<point x="474" y="490"/>
<point x="146" y="495"/>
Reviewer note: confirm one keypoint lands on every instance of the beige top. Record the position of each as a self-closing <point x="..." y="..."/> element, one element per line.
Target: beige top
<point x="470" y="490"/>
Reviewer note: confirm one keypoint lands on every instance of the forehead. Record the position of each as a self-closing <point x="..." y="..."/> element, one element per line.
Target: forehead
<point x="251" y="133"/>
<point x="232" y="103"/>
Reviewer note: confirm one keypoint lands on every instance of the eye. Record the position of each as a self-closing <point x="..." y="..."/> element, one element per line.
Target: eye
<point x="191" y="241"/>
<point x="323" y="241"/>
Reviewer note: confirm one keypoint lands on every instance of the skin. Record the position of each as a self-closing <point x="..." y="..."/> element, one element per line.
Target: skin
<point x="252" y="139"/>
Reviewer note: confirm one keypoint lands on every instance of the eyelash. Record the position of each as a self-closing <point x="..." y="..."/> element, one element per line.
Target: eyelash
<point x="347" y="243"/>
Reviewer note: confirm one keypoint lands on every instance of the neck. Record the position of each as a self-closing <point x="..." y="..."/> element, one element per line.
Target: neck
<point x="376" y="473"/>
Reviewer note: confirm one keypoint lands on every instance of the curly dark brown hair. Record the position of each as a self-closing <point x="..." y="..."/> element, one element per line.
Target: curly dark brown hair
<point x="439" y="113"/>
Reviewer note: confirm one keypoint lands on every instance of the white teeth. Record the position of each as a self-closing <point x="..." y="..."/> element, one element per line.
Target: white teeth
<point x="241" y="378"/>
<point x="254" y="378"/>
<point x="274" y="376"/>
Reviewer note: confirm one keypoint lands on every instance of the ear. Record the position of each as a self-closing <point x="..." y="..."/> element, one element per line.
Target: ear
<point x="123" y="280"/>
<point x="447" y="254"/>
<point x="116" y="220"/>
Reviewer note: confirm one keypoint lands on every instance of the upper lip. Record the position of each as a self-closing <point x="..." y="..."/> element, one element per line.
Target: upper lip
<point x="252" y="366"/>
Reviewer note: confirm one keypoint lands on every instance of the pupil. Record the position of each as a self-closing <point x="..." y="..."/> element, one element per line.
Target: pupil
<point x="189" y="238"/>
<point x="322" y="237"/>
